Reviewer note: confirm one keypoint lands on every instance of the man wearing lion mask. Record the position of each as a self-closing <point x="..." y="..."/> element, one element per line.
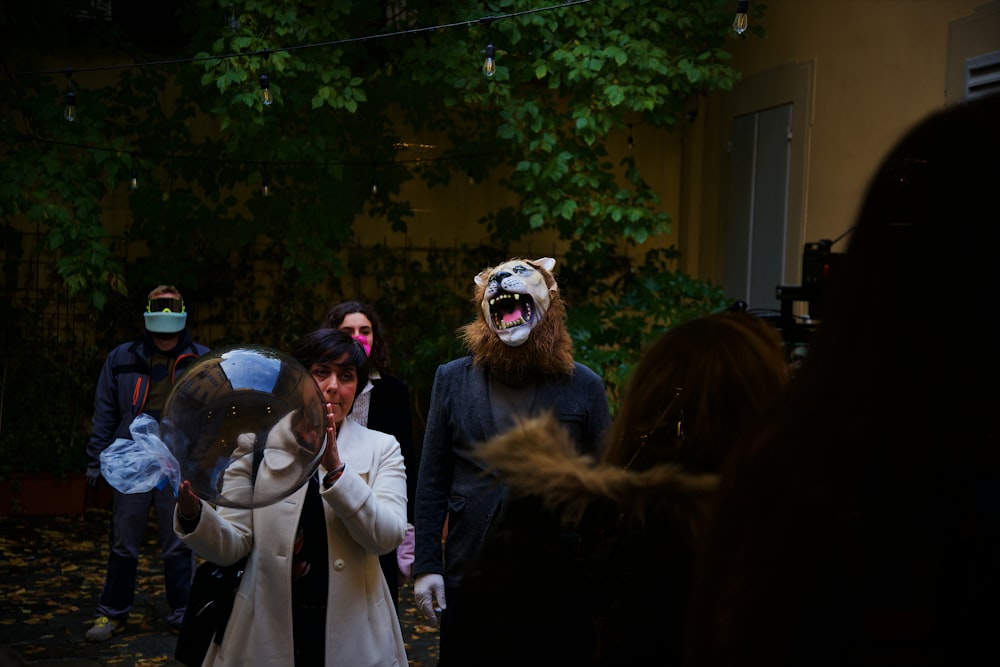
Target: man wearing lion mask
<point x="520" y="364"/>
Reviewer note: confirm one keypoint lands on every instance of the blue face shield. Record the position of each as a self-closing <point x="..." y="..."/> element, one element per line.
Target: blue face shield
<point x="165" y="315"/>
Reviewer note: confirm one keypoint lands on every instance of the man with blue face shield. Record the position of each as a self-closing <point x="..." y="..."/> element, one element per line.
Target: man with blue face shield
<point x="136" y="378"/>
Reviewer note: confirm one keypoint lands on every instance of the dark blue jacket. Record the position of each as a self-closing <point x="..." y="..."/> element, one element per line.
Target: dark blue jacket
<point x="123" y="387"/>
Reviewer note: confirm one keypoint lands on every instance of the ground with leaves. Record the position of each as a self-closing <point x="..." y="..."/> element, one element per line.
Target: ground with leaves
<point x="51" y="573"/>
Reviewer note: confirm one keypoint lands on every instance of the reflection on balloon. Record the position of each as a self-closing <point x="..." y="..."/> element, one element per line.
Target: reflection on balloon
<point x="247" y="426"/>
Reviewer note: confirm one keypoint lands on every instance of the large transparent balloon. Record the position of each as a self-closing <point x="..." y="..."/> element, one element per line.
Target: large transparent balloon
<point x="246" y="425"/>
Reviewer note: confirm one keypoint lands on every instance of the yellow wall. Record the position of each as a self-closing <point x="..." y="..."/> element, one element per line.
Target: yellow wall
<point x="871" y="69"/>
<point x="447" y="215"/>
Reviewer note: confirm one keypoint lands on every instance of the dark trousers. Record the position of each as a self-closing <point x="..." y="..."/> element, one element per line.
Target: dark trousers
<point x="444" y="630"/>
<point x="129" y="517"/>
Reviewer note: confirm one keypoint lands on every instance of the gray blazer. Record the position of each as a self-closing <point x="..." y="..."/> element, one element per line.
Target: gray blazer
<point x="450" y="483"/>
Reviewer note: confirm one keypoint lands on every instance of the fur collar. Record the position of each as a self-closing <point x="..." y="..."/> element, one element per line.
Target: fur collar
<point x="536" y="457"/>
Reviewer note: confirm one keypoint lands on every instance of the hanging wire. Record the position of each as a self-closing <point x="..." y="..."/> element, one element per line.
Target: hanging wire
<point x="314" y="45"/>
<point x="71" y="94"/>
<point x="462" y="159"/>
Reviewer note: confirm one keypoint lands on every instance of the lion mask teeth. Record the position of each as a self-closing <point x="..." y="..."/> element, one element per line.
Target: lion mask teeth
<point x="509" y="309"/>
<point x="514" y="297"/>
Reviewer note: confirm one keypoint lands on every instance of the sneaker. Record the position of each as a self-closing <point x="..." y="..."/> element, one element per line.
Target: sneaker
<point x="103" y="628"/>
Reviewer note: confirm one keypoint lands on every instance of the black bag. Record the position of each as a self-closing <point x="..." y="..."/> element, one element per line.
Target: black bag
<point x="212" y="593"/>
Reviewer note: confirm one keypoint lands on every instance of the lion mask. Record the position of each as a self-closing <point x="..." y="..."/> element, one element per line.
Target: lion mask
<point x="520" y="333"/>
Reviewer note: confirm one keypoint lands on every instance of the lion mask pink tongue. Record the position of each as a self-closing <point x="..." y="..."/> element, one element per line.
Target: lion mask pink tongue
<point x="513" y="316"/>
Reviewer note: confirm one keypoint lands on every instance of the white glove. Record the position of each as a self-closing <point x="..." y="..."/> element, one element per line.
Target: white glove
<point x="426" y="587"/>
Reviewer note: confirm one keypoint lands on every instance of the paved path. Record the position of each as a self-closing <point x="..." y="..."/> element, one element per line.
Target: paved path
<point x="52" y="571"/>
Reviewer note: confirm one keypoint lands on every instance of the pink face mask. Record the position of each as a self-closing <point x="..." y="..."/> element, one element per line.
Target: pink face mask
<point x="363" y="342"/>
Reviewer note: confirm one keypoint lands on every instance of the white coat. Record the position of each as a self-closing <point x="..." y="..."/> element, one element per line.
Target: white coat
<point x="366" y="516"/>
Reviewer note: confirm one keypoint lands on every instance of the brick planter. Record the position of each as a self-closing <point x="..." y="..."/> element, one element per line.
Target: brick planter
<point x="43" y="494"/>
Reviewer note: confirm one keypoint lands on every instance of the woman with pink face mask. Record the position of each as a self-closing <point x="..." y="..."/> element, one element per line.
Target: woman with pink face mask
<point x="383" y="404"/>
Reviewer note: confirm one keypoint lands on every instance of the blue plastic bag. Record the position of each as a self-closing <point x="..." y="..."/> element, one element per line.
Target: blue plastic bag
<point x="143" y="463"/>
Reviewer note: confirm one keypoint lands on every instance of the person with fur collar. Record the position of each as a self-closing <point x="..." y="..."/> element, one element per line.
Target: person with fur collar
<point x="591" y="561"/>
<point x="862" y="527"/>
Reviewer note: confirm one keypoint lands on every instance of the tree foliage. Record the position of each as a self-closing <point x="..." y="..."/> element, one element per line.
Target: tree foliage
<point x="347" y="77"/>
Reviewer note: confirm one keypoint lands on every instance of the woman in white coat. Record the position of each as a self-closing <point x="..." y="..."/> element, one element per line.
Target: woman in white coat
<point x="313" y="592"/>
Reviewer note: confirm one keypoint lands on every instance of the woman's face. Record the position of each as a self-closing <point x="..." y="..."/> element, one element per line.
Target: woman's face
<point x="339" y="384"/>
<point x="356" y="324"/>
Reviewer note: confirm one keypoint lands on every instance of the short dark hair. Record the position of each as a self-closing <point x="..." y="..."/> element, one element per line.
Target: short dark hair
<point x="324" y="346"/>
<point x="163" y="289"/>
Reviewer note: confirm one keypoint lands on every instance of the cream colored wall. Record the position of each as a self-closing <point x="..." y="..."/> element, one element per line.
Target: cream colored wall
<point x="879" y="67"/>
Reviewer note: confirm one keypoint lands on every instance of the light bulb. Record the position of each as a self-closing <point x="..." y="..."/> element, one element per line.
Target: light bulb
<point x="265" y="90"/>
<point x="490" y="65"/>
<point x="232" y="20"/>
<point x="374" y="188"/>
<point x="266" y="189"/>
<point x="70" y="112"/>
<point x="740" y="22"/>
<point x="134" y="183"/>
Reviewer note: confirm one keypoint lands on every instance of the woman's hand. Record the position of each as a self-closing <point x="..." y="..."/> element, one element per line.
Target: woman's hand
<point x="331" y="456"/>
<point x="188" y="502"/>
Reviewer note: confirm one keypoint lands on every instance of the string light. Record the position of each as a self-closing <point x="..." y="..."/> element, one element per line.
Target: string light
<point x="490" y="65"/>
<point x="265" y="185"/>
<point x="232" y="21"/>
<point x="265" y="84"/>
<point x="313" y="45"/>
<point x="69" y="113"/>
<point x="265" y="90"/>
<point x="133" y="183"/>
<point x="740" y="22"/>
